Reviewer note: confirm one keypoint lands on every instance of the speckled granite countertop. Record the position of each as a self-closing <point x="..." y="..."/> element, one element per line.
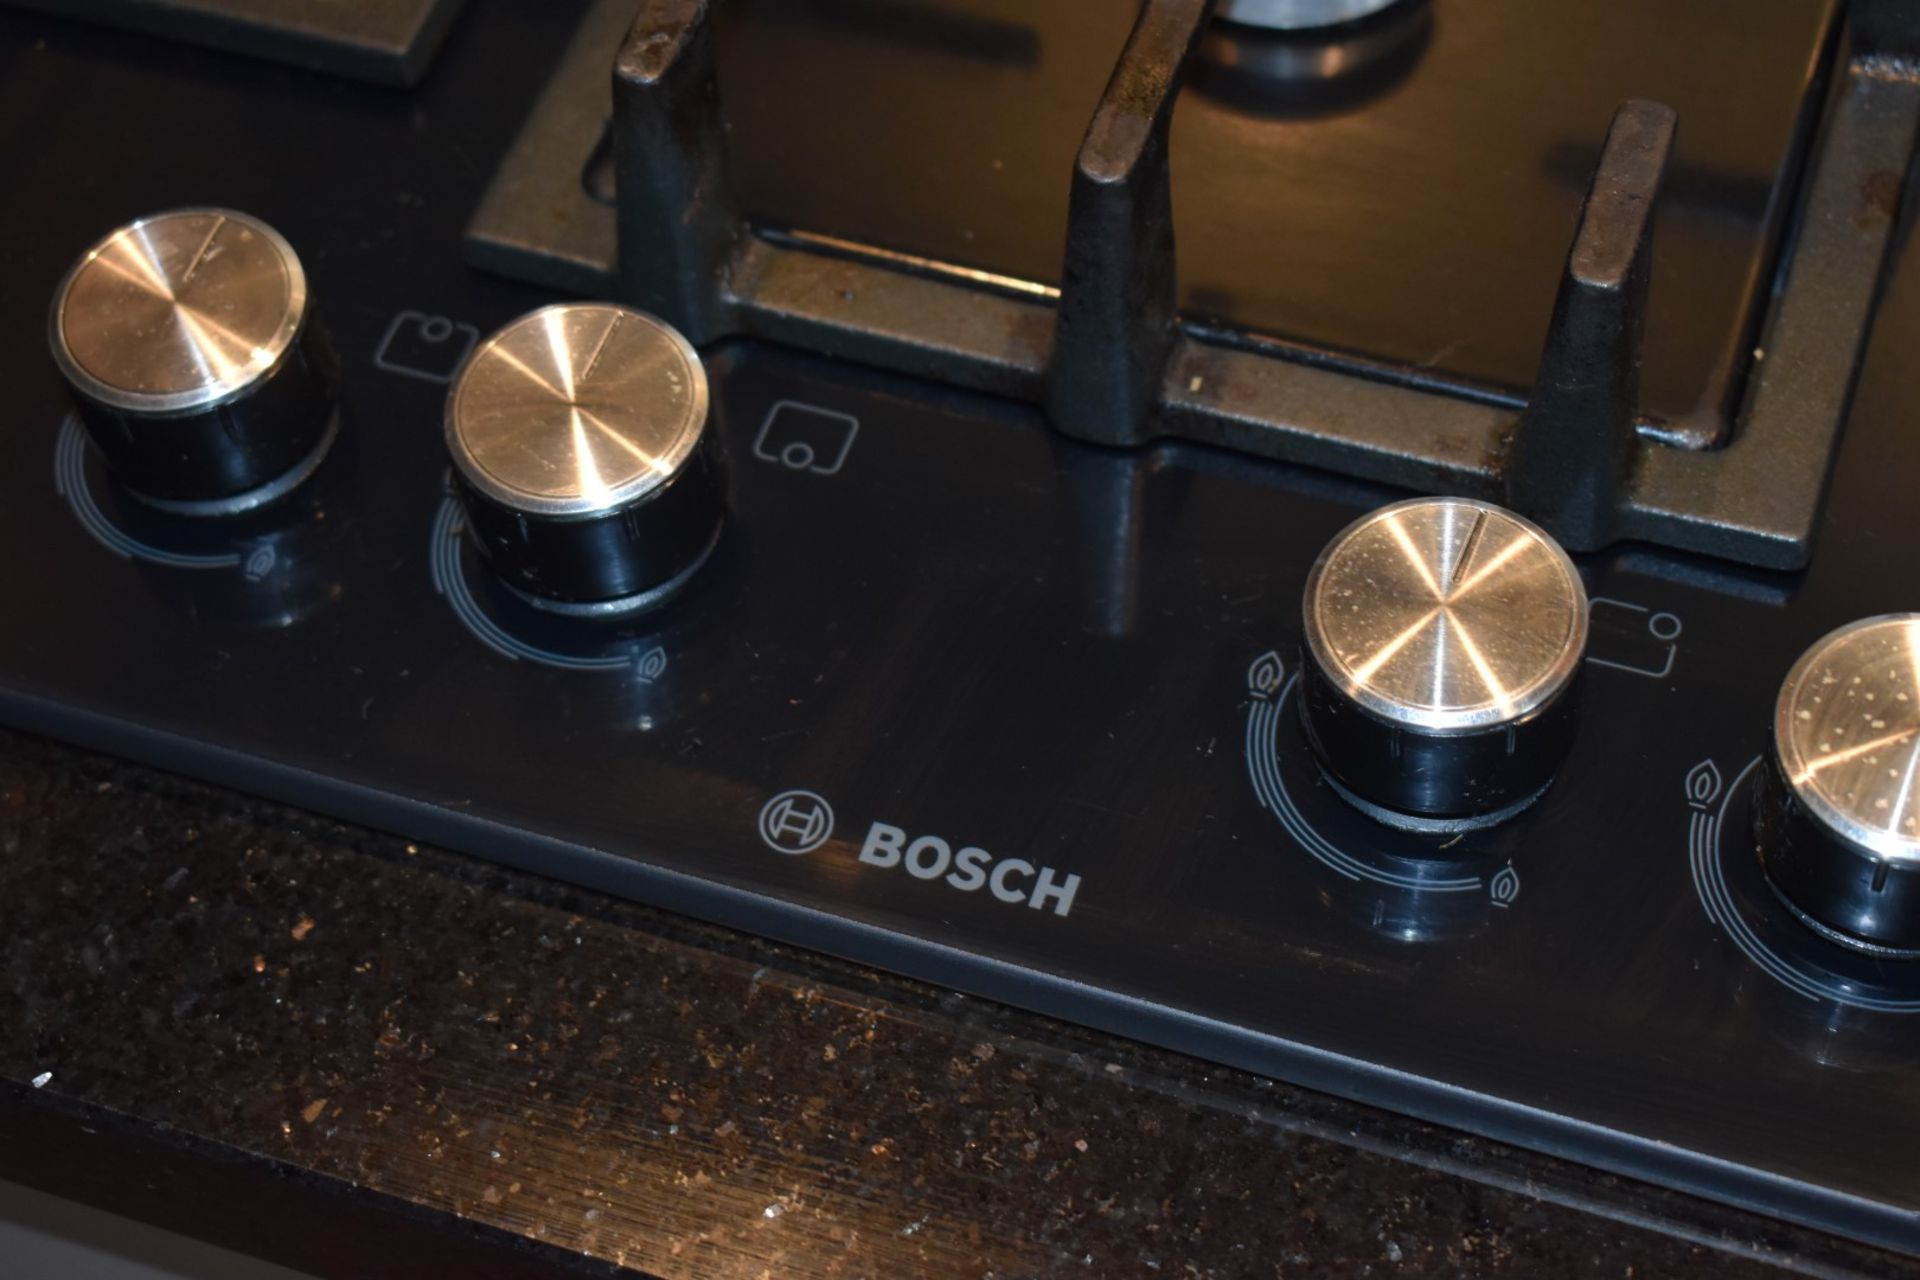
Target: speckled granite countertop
<point x="356" y="1055"/>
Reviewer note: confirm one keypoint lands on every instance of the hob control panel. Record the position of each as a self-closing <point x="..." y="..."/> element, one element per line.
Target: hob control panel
<point x="1615" y="856"/>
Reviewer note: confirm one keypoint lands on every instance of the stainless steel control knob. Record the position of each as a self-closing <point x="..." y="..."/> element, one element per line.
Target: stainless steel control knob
<point x="1837" y="803"/>
<point x="582" y="455"/>
<point x="1443" y="641"/>
<point x="198" y="367"/>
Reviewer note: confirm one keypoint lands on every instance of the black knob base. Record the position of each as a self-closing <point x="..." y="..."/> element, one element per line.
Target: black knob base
<point x="1433" y="783"/>
<point x="1841" y="892"/>
<point x="242" y="453"/>
<point x="610" y="563"/>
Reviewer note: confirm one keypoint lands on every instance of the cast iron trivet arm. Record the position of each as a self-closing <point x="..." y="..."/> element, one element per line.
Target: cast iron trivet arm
<point x="678" y="224"/>
<point x="1119" y="290"/>
<point x="1572" y="452"/>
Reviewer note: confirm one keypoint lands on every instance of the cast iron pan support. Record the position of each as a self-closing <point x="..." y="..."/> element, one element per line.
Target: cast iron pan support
<point x="1118" y="317"/>
<point x="1113" y="362"/>
<point x="1571" y="456"/>
<point x="1569" y="462"/>
<point x="679" y="226"/>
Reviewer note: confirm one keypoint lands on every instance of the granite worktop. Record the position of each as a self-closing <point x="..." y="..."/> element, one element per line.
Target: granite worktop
<point x="362" y="1056"/>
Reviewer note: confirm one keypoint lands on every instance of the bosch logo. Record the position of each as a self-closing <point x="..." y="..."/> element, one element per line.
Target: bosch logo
<point x="796" y="822"/>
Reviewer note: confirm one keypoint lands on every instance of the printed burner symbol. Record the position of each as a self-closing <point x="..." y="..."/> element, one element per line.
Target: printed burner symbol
<point x="796" y="822"/>
<point x="802" y="437"/>
<point x="427" y="347"/>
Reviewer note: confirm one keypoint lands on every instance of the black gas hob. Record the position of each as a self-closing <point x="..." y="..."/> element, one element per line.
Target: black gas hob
<point x="1037" y="400"/>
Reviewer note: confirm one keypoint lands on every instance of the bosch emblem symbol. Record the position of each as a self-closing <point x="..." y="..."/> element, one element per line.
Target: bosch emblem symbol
<point x="796" y="822"/>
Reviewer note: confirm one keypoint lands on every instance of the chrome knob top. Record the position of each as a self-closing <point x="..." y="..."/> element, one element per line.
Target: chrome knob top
<point x="1847" y="729"/>
<point x="1838" y="813"/>
<point x="198" y="369"/>
<point x="179" y="311"/>
<point x="576" y="409"/>
<point x="1443" y="637"/>
<point x="1446" y="616"/>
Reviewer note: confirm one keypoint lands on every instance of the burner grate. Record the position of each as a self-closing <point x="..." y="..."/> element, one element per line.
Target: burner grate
<point x="1112" y="358"/>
